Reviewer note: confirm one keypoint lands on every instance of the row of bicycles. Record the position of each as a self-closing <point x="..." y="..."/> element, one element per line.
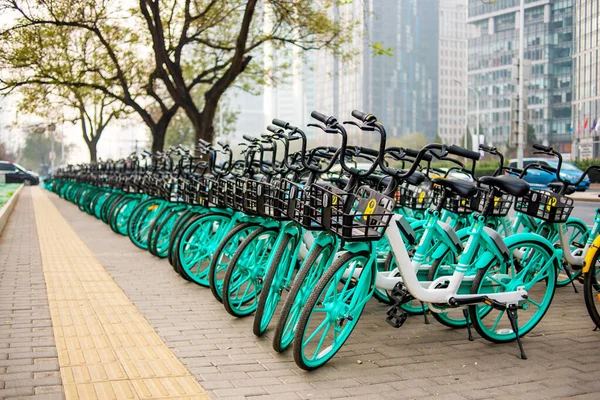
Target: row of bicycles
<point x="303" y="238"/>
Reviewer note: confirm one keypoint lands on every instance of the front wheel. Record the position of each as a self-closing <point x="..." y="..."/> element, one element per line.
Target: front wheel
<point x="332" y="310"/>
<point x="532" y="266"/>
<point x="591" y="290"/>
<point x="311" y="271"/>
<point x="244" y="277"/>
<point x="277" y="279"/>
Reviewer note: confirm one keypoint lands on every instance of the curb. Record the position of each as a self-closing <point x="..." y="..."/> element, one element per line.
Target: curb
<point x="593" y="198"/>
<point x="7" y="209"/>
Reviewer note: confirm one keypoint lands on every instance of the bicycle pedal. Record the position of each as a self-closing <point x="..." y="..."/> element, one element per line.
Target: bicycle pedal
<point x="396" y="317"/>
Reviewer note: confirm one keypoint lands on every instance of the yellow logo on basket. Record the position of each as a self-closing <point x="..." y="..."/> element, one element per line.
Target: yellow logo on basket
<point x="496" y="200"/>
<point x="551" y="203"/>
<point x="421" y="197"/>
<point x="153" y="207"/>
<point x="334" y="200"/>
<point x="370" y="208"/>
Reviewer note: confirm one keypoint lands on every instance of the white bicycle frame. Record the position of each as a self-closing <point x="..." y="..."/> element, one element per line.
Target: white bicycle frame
<point x="426" y="291"/>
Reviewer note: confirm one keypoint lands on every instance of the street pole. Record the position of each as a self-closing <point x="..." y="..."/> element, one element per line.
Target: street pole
<point x="521" y="85"/>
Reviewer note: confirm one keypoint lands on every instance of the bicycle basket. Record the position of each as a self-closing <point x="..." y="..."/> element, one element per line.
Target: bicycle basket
<point x="306" y="204"/>
<point x="363" y="216"/>
<point x="501" y="203"/>
<point x="273" y="199"/>
<point x="217" y="192"/>
<point x="456" y="203"/>
<point x="545" y="205"/>
<point x="413" y="197"/>
<point x="251" y="196"/>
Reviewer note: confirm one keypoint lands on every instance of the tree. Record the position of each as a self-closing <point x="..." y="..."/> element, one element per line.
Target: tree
<point x="38" y="144"/>
<point x="199" y="49"/>
<point x="437" y="138"/>
<point x="93" y="110"/>
<point x="204" y="46"/>
<point x="89" y="45"/>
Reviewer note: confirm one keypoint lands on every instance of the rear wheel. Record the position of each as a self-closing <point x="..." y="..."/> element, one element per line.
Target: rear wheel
<point x="533" y="267"/>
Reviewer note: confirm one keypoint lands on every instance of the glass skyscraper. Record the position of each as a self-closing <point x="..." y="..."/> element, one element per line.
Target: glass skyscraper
<point x="494" y="43"/>
<point x="586" y="99"/>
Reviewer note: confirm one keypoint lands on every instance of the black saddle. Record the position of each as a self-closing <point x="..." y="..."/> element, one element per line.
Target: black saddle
<point x="507" y="184"/>
<point x="460" y="187"/>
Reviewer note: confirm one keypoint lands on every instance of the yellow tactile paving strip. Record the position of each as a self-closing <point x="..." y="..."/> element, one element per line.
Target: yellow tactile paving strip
<point x="106" y="348"/>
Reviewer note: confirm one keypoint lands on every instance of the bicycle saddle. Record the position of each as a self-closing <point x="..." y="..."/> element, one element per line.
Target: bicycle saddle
<point x="507" y="183"/>
<point x="462" y="188"/>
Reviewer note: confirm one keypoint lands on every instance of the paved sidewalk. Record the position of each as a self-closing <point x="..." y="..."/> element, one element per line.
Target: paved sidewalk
<point x="378" y="361"/>
<point x="28" y="357"/>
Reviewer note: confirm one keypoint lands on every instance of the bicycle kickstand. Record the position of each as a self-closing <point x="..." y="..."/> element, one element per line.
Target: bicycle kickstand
<point x="570" y="275"/>
<point x="424" y="313"/>
<point x="511" y="312"/>
<point x="466" y="314"/>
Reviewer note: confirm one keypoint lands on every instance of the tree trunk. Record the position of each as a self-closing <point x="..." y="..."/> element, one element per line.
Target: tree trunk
<point x="159" y="129"/>
<point x="92" y="147"/>
<point x="203" y="124"/>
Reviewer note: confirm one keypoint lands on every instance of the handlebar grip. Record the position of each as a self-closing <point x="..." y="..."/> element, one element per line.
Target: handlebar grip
<point x="221" y="143"/>
<point x="273" y="129"/>
<point x="319" y="117"/>
<point x="279" y="123"/>
<point x="367" y="151"/>
<point x="359" y="115"/>
<point x="459" y="151"/>
<point x="203" y="142"/>
<point x="413" y="153"/>
<point x="248" y="138"/>
<point x="543" y="148"/>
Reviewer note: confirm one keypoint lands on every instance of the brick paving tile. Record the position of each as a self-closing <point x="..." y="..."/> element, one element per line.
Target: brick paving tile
<point x="32" y="362"/>
<point x="417" y="360"/>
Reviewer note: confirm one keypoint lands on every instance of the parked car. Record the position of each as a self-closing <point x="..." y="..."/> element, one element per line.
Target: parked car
<point x="14" y="173"/>
<point x="539" y="179"/>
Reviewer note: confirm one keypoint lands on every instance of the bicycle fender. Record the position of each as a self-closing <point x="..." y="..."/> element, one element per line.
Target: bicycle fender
<point x="356" y="247"/>
<point x="495" y="241"/>
<point x="449" y="236"/>
<point x="589" y="256"/>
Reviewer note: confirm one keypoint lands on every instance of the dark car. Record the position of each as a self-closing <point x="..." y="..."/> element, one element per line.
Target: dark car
<point x="14" y="173"/>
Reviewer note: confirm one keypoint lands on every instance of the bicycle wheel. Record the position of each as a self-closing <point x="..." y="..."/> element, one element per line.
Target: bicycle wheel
<point x="311" y="271"/>
<point x="532" y="266"/>
<point x="578" y="234"/>
<point x="332" y="311"/>
<point x="159" y="242"/>
<point x="244" y="277"/>
<point x="197" y="245"/>
<point x="276" y="280"/>
<point x="223" y="255"/>
<point x="591" y="290"/>
<point x="176" y="232"/>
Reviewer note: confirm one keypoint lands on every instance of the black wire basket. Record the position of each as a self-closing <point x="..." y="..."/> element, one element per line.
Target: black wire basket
<point x="217" y="192"/>
<point x="273" y="199"/>
<point x="500" y="203"/>
<point x="414" y="197"/>
<point x="545" y="205"/>
<point x="363" y="216"/>
<point x="250" y="197"/>
<point x="456" y="203"/>
<point x="305" y="204"/>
